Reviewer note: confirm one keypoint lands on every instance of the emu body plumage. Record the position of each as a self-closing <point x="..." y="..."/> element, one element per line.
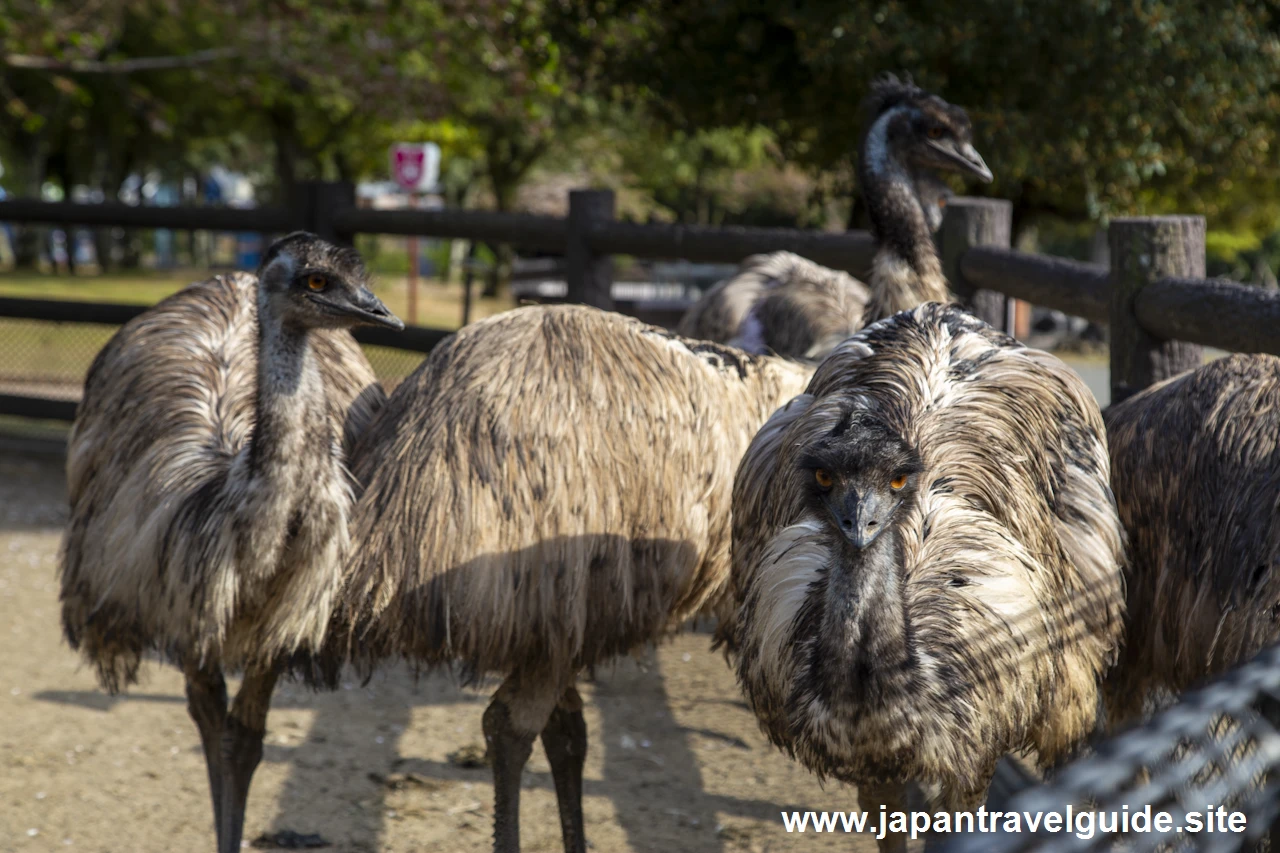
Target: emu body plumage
<point x="209" y="492"/>
<point x="552" y="485"/>
<point x="549" y="490"/>
<point x="991" y="612"/>
<point x="156" y="472"/>
<point x="781" y="303"/>
<point x="1196" y="465"/>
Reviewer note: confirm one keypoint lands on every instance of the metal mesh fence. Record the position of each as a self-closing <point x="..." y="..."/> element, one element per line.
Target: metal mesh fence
<point x="41" y="359"/>
<point x="1210" y="763"/>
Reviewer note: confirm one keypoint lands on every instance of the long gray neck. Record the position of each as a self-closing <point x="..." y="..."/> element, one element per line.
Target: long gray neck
<point x="906" y="271"/>
<point x="290" y="391"/>
<point x="864" y="644"/>
<point x="290" y="449"/>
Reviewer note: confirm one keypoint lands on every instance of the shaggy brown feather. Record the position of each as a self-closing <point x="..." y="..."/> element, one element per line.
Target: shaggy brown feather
<point x="1196" y="466"/>
<point x="168" y="408"/>
<point x="551" y="488"/>
<point x="1004" y="602"/>
<point x="779" y="303"/>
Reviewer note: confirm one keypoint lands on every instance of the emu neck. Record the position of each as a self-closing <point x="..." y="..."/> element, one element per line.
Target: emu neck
<point x="290" y="399"/>
<point x="906" y="271"/>
<point x="290" y="446"/>
<point x="864" y="645"/>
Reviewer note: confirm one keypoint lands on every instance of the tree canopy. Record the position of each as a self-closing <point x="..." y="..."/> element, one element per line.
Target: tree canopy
<point x="1083" y="108"/>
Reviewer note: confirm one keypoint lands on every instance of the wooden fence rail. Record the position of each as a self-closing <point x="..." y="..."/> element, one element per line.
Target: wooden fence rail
<point x="1213" y="312"/>
<point x="851" y="250"/>
<point x="1153" y="295"/>
<point x="116" y="214"/>
<point x="1073" y="287"/>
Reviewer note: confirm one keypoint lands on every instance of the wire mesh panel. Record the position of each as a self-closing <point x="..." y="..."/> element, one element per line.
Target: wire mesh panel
<point x="43" y="359"/>
<point x="1202" y="775"/>
<point x="392" y="365"/>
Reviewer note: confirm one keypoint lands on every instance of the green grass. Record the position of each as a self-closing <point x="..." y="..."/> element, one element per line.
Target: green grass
<point x="439" y="304"/>
<point x="34" y="351"/>
<point x="142" y="288"/>
<point x="30" y="429"/>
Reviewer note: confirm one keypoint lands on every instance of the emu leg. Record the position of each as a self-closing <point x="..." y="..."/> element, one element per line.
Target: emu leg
<point x="518" y="713"/>
<point x="565" y="740"/>
<point x="242" y="750"/>
<point x="893" y="797"/>
<point x="207" y="705"/>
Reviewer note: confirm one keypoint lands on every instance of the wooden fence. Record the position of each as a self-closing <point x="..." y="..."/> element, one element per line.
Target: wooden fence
<point x="1160" y="308"/>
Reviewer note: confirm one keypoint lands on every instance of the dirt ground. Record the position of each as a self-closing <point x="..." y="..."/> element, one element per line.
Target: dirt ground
<point x="676" y="761"/>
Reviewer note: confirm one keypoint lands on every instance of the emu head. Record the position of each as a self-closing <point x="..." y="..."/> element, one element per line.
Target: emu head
<point x="858" y="474"/>
<point x="918" y="130"/>
<point x="313" y="284"/>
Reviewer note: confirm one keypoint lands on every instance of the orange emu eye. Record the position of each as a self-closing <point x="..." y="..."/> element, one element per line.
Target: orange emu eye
<point x="315" y="281"/>
<point x="823" y="477"/>
<point x="935" y="132"/>
<point x="898" y="482"/>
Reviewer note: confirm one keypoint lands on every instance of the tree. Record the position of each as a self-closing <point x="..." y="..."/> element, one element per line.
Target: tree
<point x="1082" y="107"/>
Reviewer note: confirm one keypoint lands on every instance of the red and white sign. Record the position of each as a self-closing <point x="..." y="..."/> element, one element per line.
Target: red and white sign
<point x="415" y="166"/>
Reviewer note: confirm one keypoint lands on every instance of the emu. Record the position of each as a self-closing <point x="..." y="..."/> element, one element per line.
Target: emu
<point x="779" y="303"/>
<point x="551" y="489"/>
<point x="548" y="491"/>
<point x="790" y="306"/>
<point x="209" y="493"/>
<point x="785" y="304"/>
<point x="1195" y="461"/>
<point x="927" y="562"/>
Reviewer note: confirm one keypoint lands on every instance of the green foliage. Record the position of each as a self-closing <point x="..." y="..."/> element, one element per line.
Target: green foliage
<point x="688" y="173"/>
<point x="1082" y="107"/>
<point x="306" y="86"/>
<point x="716" y="111"/>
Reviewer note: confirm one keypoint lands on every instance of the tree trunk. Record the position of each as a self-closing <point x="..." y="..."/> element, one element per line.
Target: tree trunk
<point x="130" y="248"/>
<point x="859" y="217"/>
<point x="27" y="239"/>
<point x="509" y="155"/>
<point x="504" y="256"/>
<point x="60" y="168"/>
<point x="342" y="165"/>
<point x="288" y="151"/>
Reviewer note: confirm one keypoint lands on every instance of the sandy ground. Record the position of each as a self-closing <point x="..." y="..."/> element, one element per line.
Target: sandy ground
<point x="676" y="761"/>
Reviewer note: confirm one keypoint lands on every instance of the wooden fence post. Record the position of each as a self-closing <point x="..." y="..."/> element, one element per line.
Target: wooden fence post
<point x="589" y="276"/>
<point x="1144" y="250"/>
<point x="970" y="222"/>
<point x="316" y="203"/>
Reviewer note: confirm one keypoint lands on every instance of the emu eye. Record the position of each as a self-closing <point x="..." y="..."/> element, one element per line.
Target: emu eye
<point x="823" y="477"/>
<point x="898" y="482"/>
<point x="316" y="281"/>
<point x="935" y="132"/>
<point x="942" y="202"/>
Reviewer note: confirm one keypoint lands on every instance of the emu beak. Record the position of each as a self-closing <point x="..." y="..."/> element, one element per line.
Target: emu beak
<point x="965" y="158"/>
<point x="370" y="310"/>
<point x="860" y="519"/>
